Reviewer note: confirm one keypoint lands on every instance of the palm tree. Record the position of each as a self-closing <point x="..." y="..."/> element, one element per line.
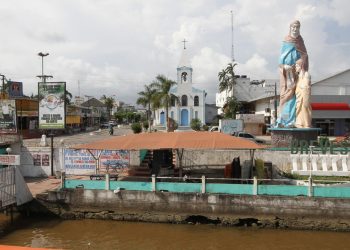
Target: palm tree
<point x="68" y="97"/>
<point x="145" y="99"/>
<point x="227" y="81"/>
<point x="163" y="96"/>
<point x="109" y="102"/>
<point x="227" y="78"/>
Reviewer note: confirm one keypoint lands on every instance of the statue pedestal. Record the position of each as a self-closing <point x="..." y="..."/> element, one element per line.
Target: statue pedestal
<point x="283" y="137"/>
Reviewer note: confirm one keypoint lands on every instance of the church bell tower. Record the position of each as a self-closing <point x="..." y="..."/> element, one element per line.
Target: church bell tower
<point x="184" y="70"/>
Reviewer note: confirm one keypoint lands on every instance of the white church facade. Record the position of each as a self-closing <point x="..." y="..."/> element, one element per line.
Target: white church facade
<point x="191" y="101"/>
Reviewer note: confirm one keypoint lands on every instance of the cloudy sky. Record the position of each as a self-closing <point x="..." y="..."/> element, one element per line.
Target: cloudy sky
<point x="115" y="47"/>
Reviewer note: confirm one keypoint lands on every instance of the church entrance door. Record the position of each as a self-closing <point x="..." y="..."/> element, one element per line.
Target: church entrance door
<point x="184" y="117"/>
<point x="162" y="118"/>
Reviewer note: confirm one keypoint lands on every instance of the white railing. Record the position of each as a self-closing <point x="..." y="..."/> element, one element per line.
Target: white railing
<point x="320" y="164"/>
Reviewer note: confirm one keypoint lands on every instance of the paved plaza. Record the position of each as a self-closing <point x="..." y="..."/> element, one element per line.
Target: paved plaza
<point x="80" y="138"/>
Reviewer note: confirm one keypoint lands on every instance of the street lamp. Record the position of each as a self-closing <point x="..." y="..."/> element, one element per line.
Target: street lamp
<point x="9" y="151"/>
<point x="42" y="55"/>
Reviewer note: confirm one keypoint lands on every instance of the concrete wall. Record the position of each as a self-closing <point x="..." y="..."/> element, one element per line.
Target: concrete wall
<point x="281" y="159"/>
<point x="80" y="200"/>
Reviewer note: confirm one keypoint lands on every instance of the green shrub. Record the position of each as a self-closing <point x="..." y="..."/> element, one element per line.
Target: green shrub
<point x="145" y="125"/>
<point x="136" y="128"/>
<point x="196" y="124"/>
<point x="205" y="127"/>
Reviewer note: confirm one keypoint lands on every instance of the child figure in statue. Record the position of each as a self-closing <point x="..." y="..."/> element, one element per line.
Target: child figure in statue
<point x="302" y="93"/>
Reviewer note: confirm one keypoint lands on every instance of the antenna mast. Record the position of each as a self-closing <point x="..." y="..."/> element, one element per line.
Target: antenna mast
<point x="232" y="48"/>
<point x="79" y="88"/>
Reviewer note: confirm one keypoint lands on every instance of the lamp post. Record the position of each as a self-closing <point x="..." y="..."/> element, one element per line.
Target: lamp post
<point x="62" y="155"/>
<point x="43" y="77"/>
<point x="8" y="150"/>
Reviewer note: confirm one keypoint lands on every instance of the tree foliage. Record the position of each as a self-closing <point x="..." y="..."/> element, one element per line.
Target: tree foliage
<point x="231" y="107"/>
<point x="227" y="78"/>
<point x="145" y="99"/>
<point x="109" y="102"/>
<point x="162" y="97"/>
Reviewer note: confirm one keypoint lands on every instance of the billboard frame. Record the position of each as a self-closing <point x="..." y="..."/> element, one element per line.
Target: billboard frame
<point x="51" y="96"/>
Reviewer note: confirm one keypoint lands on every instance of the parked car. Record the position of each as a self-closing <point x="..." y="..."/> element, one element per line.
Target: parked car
<point x="248" y="136"/>
<point x="113" y="123"/>
<point x="104" y="125"/>
<point x="214" y="129"/>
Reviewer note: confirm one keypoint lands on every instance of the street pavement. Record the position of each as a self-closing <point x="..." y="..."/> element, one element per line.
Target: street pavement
<point x="80" y="138"/>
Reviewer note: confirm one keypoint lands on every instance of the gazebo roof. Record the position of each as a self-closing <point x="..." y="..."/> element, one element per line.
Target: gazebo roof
<point x="172" y="140"/>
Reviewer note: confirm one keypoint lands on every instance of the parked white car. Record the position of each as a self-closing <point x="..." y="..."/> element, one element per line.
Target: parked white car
<point x="249" y="137"/>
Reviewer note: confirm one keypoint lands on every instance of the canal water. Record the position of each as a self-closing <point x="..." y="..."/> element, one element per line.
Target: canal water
<point x="98" y="234"/>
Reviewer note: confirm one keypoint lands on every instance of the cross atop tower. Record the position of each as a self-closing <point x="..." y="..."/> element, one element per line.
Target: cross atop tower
<point x="184" y="41"/>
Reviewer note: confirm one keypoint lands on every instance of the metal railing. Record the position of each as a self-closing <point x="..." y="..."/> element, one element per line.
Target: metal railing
<point x="7" y="186"/>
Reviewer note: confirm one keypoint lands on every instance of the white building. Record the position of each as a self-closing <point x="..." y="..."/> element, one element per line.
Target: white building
<point x="330" y="102"/>
<point x="191" y="100"/>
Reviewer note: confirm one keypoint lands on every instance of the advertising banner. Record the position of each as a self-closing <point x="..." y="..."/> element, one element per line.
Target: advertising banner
<point x="114" y="160"/>
<point x="82" y="162"/>
<point x="79" y="161"/>
<point x="52" y="105"/>
<point x="15" y="89"/>
<point x="8" y="116"/>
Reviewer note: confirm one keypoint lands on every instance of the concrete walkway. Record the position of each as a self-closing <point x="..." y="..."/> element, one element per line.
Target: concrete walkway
<point x="42" y="185"/>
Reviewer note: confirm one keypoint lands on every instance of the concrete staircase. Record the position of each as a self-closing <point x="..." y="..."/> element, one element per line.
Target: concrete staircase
<point x="143" y="170"/>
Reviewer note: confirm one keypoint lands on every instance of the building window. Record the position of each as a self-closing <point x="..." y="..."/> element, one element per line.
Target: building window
<point x="195" y="114"/>
<point x="172" y="101"/>
<point x="184" y="101"/>
<point x="196" y="101"/>
<point x="172" y="114"/>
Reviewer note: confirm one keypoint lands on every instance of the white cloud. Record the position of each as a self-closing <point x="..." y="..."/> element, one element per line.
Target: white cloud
<point x="115" y="47"/>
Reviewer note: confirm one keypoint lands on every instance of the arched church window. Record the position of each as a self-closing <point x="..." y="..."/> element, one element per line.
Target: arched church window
<point x="184" y="76"/>
<point x="196" y="101"/>
<point x="184" y="100"/>
<point x="172" y="101"/>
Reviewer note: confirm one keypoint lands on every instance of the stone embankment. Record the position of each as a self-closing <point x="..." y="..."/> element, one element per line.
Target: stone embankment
<point x="192" y="208"/>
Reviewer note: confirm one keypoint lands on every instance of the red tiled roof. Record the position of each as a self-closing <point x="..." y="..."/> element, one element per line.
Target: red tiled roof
<point x="172" y="140"/>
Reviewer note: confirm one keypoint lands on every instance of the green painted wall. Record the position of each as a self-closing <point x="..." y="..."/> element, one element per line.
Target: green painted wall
<point x="229" y="188"/>
<point x="287" y="190"/>
<point x="238" y="189"/>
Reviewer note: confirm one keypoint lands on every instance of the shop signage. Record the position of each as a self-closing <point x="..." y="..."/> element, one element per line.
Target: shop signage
<point x="9" y="160"/>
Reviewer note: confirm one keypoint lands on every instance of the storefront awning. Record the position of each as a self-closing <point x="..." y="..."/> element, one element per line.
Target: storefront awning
<point x="330" y="106"/>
